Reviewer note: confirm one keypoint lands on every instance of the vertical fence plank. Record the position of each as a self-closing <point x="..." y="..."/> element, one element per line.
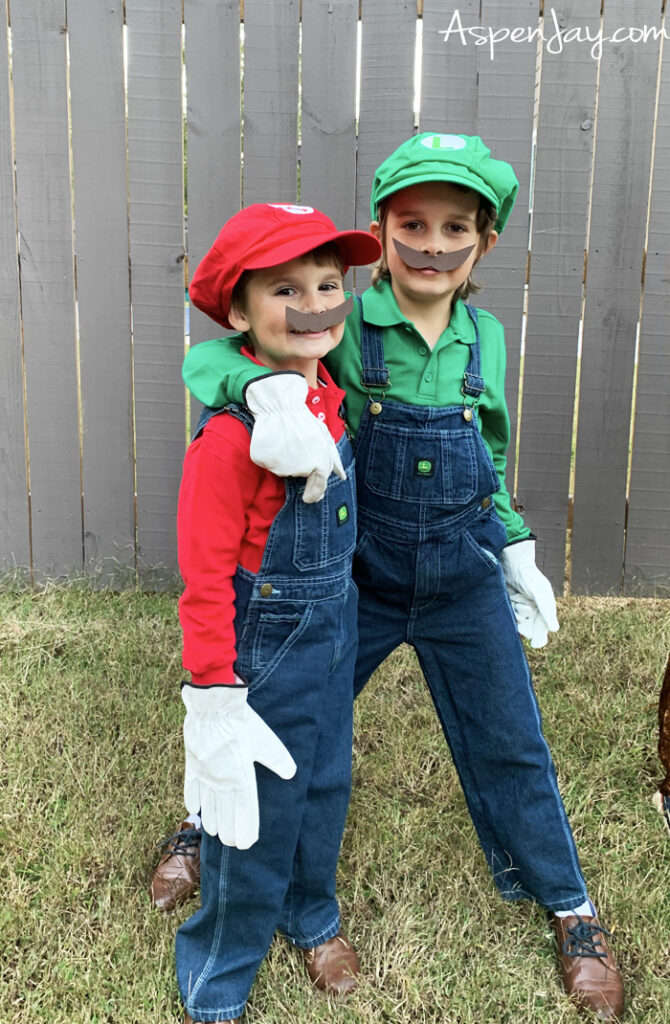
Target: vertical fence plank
<point x="488" y="90"/>
<point x="448" y="68"/>
<point x="101" y="245"/>
<point x="47" y="285"/>
<point x="648" y="534"/>
<point x="386" y="115"/>
<point x="565" y="135"/>
<point x="155" y="167"/>
<point x="271" y="36"/>
<point x="212" y="30"/>
<point x="328" y="149"/>
<point x="619" y="210"/>
<point x="14" y="517"/>
<point x="505" y="123"/>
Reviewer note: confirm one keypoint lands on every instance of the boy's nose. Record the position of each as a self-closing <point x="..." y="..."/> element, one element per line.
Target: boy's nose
<point x="313" y="304"/>
<point x="434" y="245"/>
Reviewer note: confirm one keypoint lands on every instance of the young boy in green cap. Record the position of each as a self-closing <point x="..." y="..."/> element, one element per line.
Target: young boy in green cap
<point x="443" y="561"/>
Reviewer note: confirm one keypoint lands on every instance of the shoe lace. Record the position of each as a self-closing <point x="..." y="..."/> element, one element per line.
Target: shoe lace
<point x="582" y="940"/>
<point x="184" y="841"/>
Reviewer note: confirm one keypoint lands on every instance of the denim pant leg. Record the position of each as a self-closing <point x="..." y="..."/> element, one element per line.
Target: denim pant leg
<point x="311" y="915"/>
<point x="220" y="948"/>
<point x="380" y="571"/>
<point x="473" y="660"/>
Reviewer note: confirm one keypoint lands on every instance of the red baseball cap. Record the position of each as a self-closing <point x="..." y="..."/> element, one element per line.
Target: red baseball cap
<point x="264" y="235"/>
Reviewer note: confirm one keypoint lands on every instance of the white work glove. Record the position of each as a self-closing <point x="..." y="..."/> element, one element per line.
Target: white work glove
<point x="287" y="439"/>
<point x="223" y="737"/>
<point x="530" y="592"/>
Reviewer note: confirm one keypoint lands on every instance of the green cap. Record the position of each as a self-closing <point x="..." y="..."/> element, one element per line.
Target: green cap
<point x="463" y="159"/>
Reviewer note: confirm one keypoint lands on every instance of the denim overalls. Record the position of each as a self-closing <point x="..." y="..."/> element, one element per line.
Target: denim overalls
<point x="427" y="574"/>
<point x="295" y="625"/>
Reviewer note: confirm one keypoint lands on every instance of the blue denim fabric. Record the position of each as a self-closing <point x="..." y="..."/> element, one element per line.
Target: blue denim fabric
<point x="428" y="574"/>
<point x="296" y="647"/>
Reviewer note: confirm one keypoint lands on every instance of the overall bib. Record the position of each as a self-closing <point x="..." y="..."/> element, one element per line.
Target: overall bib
<point x="295" y="626"/>
<point x="427" y="571"/>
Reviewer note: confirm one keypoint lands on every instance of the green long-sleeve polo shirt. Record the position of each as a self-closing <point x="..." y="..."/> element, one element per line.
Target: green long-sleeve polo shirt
<point x="215" y="372"/>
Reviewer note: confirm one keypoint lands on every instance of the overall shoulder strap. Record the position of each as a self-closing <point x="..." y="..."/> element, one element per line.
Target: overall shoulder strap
<point x="240" y="412"/>
<point x="374" y="373"/>
<point x="473" y="383"/>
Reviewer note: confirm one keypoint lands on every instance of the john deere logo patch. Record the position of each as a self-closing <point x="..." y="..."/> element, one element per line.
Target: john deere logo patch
<point x="342" y="513"/>
<point x="424" y="467"/>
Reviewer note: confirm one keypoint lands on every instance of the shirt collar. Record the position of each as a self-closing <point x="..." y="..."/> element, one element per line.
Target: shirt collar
<point x="461" y="323"/>
<point x="381" y="309"/>
<point x="325" y="381"/>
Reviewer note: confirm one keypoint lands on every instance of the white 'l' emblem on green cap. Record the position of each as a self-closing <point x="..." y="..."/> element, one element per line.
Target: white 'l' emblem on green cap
<point x="443" y="142"/>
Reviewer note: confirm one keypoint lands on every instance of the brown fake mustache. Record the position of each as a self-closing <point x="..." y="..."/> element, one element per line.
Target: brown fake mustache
<point x="298" y="321"/>
<point x="442" y="261"/>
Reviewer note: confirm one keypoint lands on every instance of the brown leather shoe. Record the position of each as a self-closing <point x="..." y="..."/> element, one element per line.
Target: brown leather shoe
<point x="588" y="969"/>
<point x="333" y="966"/>
<point x="178" y="873"/>
<point x="189" y="1020"/>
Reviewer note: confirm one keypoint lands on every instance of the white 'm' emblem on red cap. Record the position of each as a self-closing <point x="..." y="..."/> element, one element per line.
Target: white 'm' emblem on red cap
<point x="443" y="142"/>
<point x="292" y="209"/>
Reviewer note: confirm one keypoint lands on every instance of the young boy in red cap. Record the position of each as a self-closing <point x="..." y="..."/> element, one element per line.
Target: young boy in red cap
<point x="443" y="561"/>
<point x="269" y="621"/>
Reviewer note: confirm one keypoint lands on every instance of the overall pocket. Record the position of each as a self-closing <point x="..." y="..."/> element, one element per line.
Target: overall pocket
<point x="267" y="636"/>
<point x="325" y="531"/>
<point x="487" y="536"/>
<point x="434" y="467"/>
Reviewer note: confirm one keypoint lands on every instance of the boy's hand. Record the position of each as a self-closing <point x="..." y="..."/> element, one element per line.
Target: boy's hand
<point x="530" y="592"/>
<point x="287" y="439"/>
<point x="223" y="737"/>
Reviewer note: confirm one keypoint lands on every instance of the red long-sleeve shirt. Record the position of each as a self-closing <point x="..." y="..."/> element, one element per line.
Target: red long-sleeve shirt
<point x="226" y="507"/>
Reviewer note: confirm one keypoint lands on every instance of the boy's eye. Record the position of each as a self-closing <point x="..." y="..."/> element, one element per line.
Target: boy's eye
<point x="412" y="225"/>
<point x="456" y="228"/>
<point x="286" y="289"/>
<point x="330" y="286"/>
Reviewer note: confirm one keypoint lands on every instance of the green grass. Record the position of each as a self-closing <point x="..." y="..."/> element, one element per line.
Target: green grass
<point x="90" y="777"/>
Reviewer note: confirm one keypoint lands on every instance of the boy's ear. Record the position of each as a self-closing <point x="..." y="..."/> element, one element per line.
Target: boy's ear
<point x="374" y="229"/>
<point x="493" y="238"/>
<point x="238" y="319"/>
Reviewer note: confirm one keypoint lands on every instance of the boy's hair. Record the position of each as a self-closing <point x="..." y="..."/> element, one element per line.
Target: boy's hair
<point x="321" y="256"/>
<point x="485" y="222"/>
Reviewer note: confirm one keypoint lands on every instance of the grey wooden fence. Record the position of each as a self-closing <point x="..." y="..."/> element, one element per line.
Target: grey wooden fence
<point x="92" y="244"/>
